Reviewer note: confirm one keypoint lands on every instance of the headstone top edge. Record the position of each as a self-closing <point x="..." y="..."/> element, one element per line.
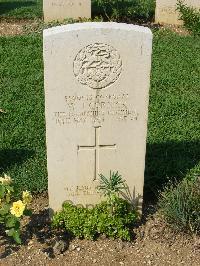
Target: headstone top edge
<point x="96" y="25"/>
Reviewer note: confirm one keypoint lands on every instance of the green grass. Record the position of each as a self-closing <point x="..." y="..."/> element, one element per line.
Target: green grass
<point x="22" y="133"/>
<point x="173" y="148"/>
<point x="21" y="9"/>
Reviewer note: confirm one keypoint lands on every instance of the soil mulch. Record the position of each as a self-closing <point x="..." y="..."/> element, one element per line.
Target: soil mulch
<point x="15" y="27"/>
<point x="11" y="27"/>
<point x="154" y="243"/>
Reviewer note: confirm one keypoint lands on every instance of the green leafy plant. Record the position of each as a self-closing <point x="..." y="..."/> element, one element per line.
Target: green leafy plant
<point x="190" y="17"/>
<point x="180" y="205"/>
<point x="90" y="223"/>
<point x="111" y="187"/>
<point x="114" y="217"/>
<point x="12" y="211"/>
<point x="125" y="10"/>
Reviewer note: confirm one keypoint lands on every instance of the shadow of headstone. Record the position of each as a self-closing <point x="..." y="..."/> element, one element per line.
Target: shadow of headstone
<point x="168" y="161"/>
<point x="10" y="157"/>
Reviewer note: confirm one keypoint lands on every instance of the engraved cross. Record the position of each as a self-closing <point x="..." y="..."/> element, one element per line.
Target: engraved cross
<point x="96" y="148"/>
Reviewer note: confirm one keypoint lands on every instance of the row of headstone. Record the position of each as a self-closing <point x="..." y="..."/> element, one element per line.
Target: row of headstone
<point x="59" y="10"/>
<point x="97" y="78"/>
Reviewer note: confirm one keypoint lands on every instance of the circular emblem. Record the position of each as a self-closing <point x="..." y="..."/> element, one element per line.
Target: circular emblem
<point x="97" y="65"/>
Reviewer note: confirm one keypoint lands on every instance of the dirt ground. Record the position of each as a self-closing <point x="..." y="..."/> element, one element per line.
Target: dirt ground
<point x="17" y="27"/>
<point x="13" y="27"/>
<point x="154" y="243"/>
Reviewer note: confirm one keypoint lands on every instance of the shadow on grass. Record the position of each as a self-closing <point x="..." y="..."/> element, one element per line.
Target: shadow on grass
<point x="6" y="7"/>
<point x="9" y="157"/>
<point x="168" y="161"/>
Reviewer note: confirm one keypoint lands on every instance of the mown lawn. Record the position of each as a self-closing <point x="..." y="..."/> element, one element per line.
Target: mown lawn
<point x="22" y="137"/>
<point x="21" y="9"/>
<point x="173" y="148"/>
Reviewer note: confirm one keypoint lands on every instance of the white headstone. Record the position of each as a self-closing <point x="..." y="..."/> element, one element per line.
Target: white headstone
<point x="166" y="12"/>
<point x="97" y="78"/>
<point x="59" y="10"/>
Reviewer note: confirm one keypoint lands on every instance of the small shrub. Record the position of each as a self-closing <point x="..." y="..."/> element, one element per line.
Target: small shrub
<point x="190" y="17"/>
<point x="90" y="223"/>
<point x="114" y="217"/>
<point x="11" y="211"/>
<point x="126" y="10"/>
<point x="180" y="205"/>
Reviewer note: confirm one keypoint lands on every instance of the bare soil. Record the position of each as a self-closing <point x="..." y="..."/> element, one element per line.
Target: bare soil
<point x="154" y="243"/>
<point x="13" y="27"/>
<point x="175" y="28"/>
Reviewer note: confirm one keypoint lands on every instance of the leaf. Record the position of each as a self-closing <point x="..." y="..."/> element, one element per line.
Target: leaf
<point x="2" y="191"/>
<point x="15" y="234"/>
<point x="10" y="232"/>
<point x="16" y="237"/>
<point x="5" y="209"/>
<point x="7" y="198"/>
<point x="11" y="221"/>
<point x="11" y="189"/>
<point x="17" y="225"/>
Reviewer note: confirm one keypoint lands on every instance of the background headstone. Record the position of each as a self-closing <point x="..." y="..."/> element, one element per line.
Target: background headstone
<point x="97" y="78"/>
<point x="59" y="10"/>
<point x="166" y="12"/>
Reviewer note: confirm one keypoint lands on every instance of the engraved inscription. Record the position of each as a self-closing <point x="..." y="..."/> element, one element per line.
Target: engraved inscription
<point x="63" y="3"/>
<point x="97" y="65"/>
<point x="169" y="10"/>
<point x="81" y="191"/>
<point x="95" y="109"/>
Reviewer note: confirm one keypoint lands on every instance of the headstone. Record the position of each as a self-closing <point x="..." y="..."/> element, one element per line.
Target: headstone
<point x="97" y="78"/>
<point x="59" y="10"/>
<point x="166" y="12"/>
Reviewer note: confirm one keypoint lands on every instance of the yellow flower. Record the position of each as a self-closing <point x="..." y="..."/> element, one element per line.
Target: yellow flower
<point x="27" y="198"/>
<point x="17" y="208"/>
<point x="6" y="180"/>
